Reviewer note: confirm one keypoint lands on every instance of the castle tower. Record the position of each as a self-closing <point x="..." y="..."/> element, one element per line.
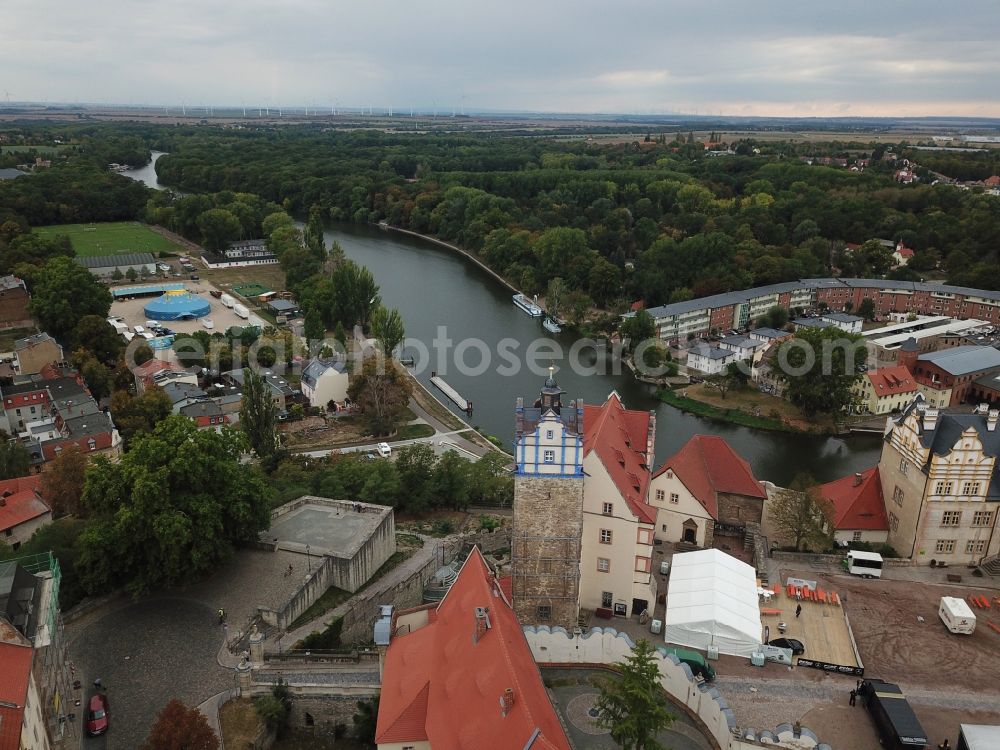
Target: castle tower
<point x="907" y="355"/>
<point x="548" y="509"/>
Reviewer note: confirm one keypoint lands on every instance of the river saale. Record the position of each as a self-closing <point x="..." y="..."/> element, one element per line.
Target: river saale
<point x="433" y="286"/>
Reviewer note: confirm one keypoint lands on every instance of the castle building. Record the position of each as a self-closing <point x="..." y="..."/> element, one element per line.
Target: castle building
<point x="941" y="484"/>
<point x="582" y="530"/>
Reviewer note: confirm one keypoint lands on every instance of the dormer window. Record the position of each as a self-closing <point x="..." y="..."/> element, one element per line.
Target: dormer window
<point x="548" y="434"/>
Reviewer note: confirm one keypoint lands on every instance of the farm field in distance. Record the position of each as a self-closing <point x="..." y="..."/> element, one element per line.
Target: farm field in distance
<point x="112" y="238"/>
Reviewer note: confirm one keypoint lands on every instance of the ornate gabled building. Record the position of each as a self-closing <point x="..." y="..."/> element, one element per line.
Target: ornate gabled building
<point x="941" y="484"/>
<point x="582" y="530"/>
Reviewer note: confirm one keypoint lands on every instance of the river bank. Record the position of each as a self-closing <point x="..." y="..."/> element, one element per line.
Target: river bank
<point x="739" y="408"/>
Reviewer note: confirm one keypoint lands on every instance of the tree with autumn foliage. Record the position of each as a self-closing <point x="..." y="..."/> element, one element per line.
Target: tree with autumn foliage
<point x="62" y="482"/>
<point x="178" y="727"/>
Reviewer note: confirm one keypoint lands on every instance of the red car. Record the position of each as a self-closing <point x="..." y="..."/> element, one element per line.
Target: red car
<point x="97" y="715"/>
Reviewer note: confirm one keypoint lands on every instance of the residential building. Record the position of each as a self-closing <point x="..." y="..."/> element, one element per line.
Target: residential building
<point x="940" y="482"/>
<point x="884" y="390"/>
<point x="14" y="300"/>
<point x="858" y="508"/>
<point x="22" y="725"/>
<point x="801" y="323"/>
<point x="22" y="510"/>
<point x="192" y="402"/>
<point x="243" y="253"/>
<point x="104" y="266"/>
<point x="769" y="335"/>
<point x="946" y="377"/>
<point x="31" y="399"/>
<point x="707" y="359"/>
<point x="285" y="307"/>
<point x="33" y="353"/>
<point x="704" y="489"/>
<point x="459" y="673"/>
<point x="583" y="533"/>
<point x="843" y="321"/>
<point x="901" y="255"/>
<point x="282" y="391"/>
<point x="323" y="381"/>
<point x="987" y="390"/>
<point x="158" y="372"/>
<point x="29" y="605"/>
<point x="746" y="347"/>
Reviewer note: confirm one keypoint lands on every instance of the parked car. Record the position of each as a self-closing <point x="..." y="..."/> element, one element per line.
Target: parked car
<point x="794" y="644"/>
<point x="384" y="450"/>
<point x="98" y="720"/>
<point x="163" y="266"/>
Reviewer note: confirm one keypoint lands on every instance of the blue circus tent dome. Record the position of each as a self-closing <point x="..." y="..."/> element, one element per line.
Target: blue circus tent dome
<point x="179" y="304"/>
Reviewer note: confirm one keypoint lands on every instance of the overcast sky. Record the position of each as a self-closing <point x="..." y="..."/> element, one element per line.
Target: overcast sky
<point x="771" y="57"/>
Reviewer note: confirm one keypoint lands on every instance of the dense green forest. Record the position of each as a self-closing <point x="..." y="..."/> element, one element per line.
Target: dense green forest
<point x="659" y="218"/>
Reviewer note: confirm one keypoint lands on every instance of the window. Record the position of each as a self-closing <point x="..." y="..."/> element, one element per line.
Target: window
<point x="945" y="545"/>
<point x="975" y="546"/>
<point x="550" y="457"/>
<point x="943" y="488"/>
<point x="904" y="466"/>
<point x="674" y="498"/>
<point x="605" y="536"/>
<point x="856" y="536"/>
<point x="660" y="495"/>
<point x="643" y="564"/>
<point x="951" y="518"/>
<point x="897" y="496"/>
<point x="970" y="488"/>
<point x="606" y="598"/>
<point x="543" y="612"/>
<point x="548" y="434"/>
<point x="607" y="509"/>
<point x="644" y="536"/>
<point x="663" y="527"/>
<point x="893" y="521"/>
<point x="669" y="474"/>
<point x="92" y="444"/>
<point x="603" y="565"/>
<point x="982" y="518"/>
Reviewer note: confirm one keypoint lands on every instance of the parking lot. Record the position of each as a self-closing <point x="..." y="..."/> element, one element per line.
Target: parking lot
<point x="132" y="313"/>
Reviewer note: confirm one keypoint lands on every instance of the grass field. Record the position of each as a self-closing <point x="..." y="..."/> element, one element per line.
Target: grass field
<point x="251" y="289"/>
<point x="112" y="238"/>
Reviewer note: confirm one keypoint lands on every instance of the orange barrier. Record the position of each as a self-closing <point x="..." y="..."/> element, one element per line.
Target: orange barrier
<point x="836" y="598"/>
<point x="993" y="626"/>
<point x="985" y="601"/>
<point x="974" y="601"/>
<point x="791" y="591"/>
<point x="777" y="589"/>
<point x="771" y="612"/>
<point x="820" y="596"/>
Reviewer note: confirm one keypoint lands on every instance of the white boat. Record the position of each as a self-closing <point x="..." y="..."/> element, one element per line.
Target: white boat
<point x="528" y="306"/>
<point x="551" y="326"/>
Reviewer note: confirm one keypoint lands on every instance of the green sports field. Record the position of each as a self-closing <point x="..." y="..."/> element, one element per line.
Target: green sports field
<point x="112" y="238"/>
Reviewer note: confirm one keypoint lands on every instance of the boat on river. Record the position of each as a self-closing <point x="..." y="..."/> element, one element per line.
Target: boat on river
<point x="528" y="306"/>
<point x="550" y="325"/>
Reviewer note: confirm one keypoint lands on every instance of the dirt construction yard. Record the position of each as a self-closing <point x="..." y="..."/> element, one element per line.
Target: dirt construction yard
<point x="948" y="679"/>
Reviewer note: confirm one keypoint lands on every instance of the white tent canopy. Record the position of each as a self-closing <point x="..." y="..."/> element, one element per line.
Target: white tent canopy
<point x="712" y="600"/>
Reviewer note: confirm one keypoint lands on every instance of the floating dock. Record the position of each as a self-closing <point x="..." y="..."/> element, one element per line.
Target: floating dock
<point x="451" y="393"/>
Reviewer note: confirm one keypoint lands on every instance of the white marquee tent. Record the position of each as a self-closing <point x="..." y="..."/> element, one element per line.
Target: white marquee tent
<point x="712" y="600"/>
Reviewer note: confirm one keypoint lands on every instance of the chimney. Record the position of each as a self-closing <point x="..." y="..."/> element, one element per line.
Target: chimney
<point x="482" y="623"/>
<point x="991" y="420"/>
<point x="3" y="502"/>
<point x="930" y="419"/>
<point x="857" y="479"/>
<point x="506" y="701"/>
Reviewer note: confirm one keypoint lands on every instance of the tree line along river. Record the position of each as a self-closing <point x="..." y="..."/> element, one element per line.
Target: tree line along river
<point x="435" y="288"/>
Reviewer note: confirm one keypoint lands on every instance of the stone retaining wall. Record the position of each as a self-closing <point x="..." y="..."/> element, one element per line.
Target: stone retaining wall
<point x="606" y="646"/>
<point x="807" y="558"/>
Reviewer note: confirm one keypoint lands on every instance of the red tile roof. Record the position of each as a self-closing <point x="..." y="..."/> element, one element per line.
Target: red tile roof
<point x="857" y="506"/>
<point x="15" y="673"/>
<point x="442" y="686"/>
<point x="707" y="466"/>
<point x="23" y="503"/>
<point x="891" y="381"/>
<point x="619" y="436"/>
<point x="638" y="305"/>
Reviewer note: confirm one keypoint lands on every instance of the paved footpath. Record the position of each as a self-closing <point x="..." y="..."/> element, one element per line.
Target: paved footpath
<point x="398" y="574"/>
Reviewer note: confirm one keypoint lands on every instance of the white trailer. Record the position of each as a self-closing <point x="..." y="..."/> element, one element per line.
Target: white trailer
<point x="241" y="312"/>
<point x="864" y="564"/>
<point x="227" y="300"/>
<point x="957" y="616"/>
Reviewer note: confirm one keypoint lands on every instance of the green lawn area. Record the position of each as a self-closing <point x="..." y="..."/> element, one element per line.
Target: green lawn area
<point x="112" y="238"/>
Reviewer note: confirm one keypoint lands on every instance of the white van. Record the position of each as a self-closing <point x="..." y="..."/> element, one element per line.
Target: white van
<point x="384" y="450"/>
<point x="957" y="616"/>
<point x="140" y="330"/>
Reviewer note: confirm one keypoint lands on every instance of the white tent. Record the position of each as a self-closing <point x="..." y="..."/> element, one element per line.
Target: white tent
<point x="712" y="600"/>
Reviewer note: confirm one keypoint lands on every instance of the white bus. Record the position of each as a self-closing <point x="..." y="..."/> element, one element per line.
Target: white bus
<point x="865" y="564"/>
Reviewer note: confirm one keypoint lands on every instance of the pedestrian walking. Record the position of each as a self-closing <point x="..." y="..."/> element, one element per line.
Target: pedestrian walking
<point x="97" y="683"/>
<point x="798" y="610"/>
<point x="944" y="745"/>
<point x="854" y="696"/>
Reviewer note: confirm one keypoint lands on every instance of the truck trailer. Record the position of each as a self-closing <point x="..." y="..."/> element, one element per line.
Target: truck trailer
<point x="956" y="615"/>
<point x="897" y="725"/>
